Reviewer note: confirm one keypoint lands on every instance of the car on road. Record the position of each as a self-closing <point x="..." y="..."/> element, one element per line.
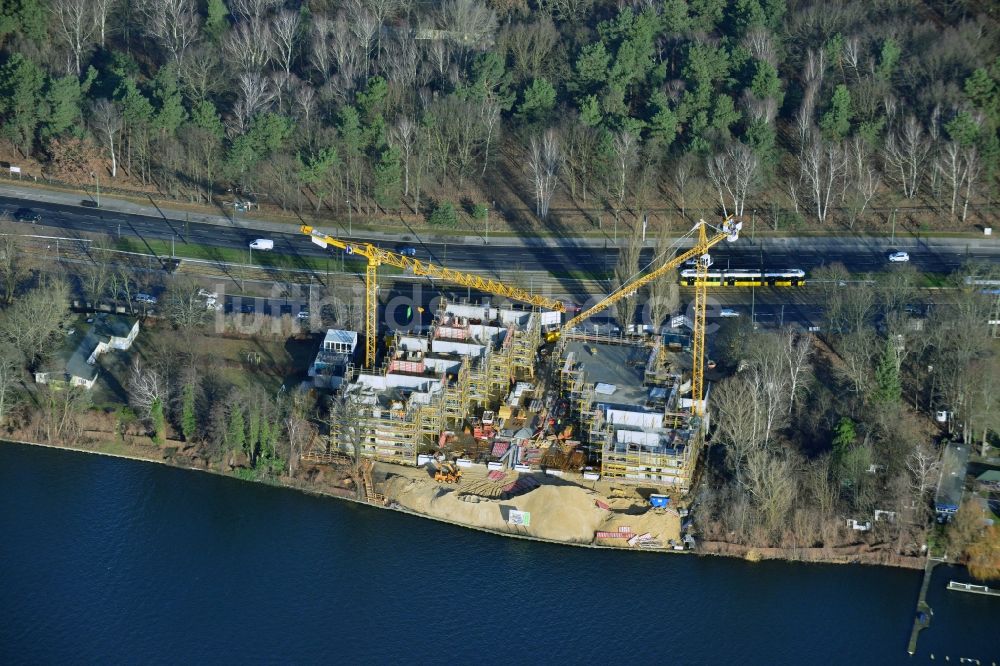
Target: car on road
<point x="728" y="312"/>
<point x="27" y="215"/>
<point x="303" y="314"/>
<point x="262" y="244"/>
<point x="408" y="251"/>
<point x="898" y="257"/>
<point x="204" y="293"/>
<point x="145" y="298"/>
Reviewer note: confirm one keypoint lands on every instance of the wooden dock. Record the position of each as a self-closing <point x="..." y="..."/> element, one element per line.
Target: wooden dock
<point x="974" y="589"/>
<point x="922" y="619"/>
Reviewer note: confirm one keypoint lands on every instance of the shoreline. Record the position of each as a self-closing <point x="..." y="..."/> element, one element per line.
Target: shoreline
<point x="839" y="555"/>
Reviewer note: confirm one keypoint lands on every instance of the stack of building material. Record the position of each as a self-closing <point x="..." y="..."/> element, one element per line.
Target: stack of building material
<point x="500" y="448"/>
<point x="532" y="456"/>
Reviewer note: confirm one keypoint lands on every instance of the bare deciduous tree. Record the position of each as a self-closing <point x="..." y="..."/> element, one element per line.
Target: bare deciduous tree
<point x="864" y="178"/>
<point x="664" y="294"/>
<point x="102" y="10"/>
<point x="544" y="161"/>
<point x="733" y="173"/>
<point x="298" y="430"/>
<point x="626" y="149"/>
<point x="14" y="265"/>
<point x="924" y="465"/>
<point x="249" y="46"/>
<point x="626" y="270"/>
<point x="772" y="482"/>
<point x="60" y="411"/>
<point x="858" y="350"/>
<point x="797" y="349"/>
<point x="201" y="73"/>
<point x="468" y="22"/>
<point x="184" y="308"/>
<point x="823" y="166"/>
<point x="905" y="153"/>
<point x="284" y="35"/>
<point x="10" y="376"/>
<point x="145" y="387"/>
<point x="106" y="117"/>
<point x="319" y="46"/>
<point x="759" y="43"/>
<point x="491" y="121"/>
<point x="254" y="95"/>
<point x="74" y="23"/>
<point x="683" y="172"/>
<point x="36" y="318"/>
<point x="173" y="23"/>
<point x="252" y="9"/>
<point x="972" y="167"/>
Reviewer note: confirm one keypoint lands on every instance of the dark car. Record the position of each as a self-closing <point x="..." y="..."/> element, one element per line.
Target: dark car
<point x="408" y="251"/>
<point x="27" y="215"/>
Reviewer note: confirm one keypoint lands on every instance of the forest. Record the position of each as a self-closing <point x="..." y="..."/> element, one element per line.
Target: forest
<point x="555" y="114"/>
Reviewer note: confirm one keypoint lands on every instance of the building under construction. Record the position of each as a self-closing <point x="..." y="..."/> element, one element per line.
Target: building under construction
<point x="627" y="397"/>
<point x="614" y="402"/>
<point x="429" y="384"/>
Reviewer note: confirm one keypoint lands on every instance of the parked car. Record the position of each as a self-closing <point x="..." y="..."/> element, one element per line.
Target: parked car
<point x="897" y="257"/>
<point x="303" y="314"/>
<point x="728" y="312"/>
<point x="204" y="293"/>
<point x="145" y="298"/>
<point x="262" y="244"/>
<point x="27" y="215"/>
<point x="408" y="251"/>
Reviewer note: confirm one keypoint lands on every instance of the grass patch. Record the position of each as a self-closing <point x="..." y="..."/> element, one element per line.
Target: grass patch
<point x="934" y="280"/>
<point x="581" y="275"/>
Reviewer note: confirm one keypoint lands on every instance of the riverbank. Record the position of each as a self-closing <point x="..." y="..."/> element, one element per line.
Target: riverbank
<point x="574" y="523"/>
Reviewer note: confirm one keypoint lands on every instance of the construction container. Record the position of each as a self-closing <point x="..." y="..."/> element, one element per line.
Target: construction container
<point x="658" y="500"/>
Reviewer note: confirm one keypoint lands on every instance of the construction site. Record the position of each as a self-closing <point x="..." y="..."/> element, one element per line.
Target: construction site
<point x="493" y="413"/>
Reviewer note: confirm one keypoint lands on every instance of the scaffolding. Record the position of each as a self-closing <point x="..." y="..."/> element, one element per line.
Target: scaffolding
<point x="429" y="384"/>
<point x="647" y="441"/>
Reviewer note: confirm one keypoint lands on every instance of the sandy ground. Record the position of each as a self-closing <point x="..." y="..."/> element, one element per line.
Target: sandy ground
<point x="561" y="509"/>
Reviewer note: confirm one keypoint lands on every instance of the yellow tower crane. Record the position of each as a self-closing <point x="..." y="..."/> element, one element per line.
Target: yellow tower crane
<point x="376" y="256"/>
<point x="729" y="231"/>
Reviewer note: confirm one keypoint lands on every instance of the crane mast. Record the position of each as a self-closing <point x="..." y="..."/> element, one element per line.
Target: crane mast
<point x="377" y="256"/>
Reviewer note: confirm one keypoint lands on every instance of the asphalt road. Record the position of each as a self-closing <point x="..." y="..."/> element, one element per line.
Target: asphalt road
<point x="857" y="254"/>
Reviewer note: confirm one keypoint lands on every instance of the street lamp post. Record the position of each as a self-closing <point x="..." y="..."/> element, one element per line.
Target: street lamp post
<point x="97" y="179"/>
<point x="893" y="238"/>
<point x="350" y="219"/>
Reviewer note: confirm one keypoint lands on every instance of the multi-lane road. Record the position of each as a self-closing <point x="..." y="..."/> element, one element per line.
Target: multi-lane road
<point x="566" y="259"/>
<point x="858" y="254"/>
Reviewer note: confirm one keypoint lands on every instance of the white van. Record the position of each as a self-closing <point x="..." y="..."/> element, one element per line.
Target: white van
<point x="262" y="244"/>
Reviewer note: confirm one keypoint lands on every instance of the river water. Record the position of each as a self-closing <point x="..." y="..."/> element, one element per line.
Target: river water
<point x="116" y="561"/>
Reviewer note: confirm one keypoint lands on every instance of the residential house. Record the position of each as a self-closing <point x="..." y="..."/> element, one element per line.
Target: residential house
<point x="75" y="363"/>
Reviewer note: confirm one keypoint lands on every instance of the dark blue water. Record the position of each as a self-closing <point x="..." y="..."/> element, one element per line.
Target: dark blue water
<point x="114" y="561"/>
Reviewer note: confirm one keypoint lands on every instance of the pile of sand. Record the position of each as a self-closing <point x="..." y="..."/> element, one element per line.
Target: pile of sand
<point x="559" y="512"/>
